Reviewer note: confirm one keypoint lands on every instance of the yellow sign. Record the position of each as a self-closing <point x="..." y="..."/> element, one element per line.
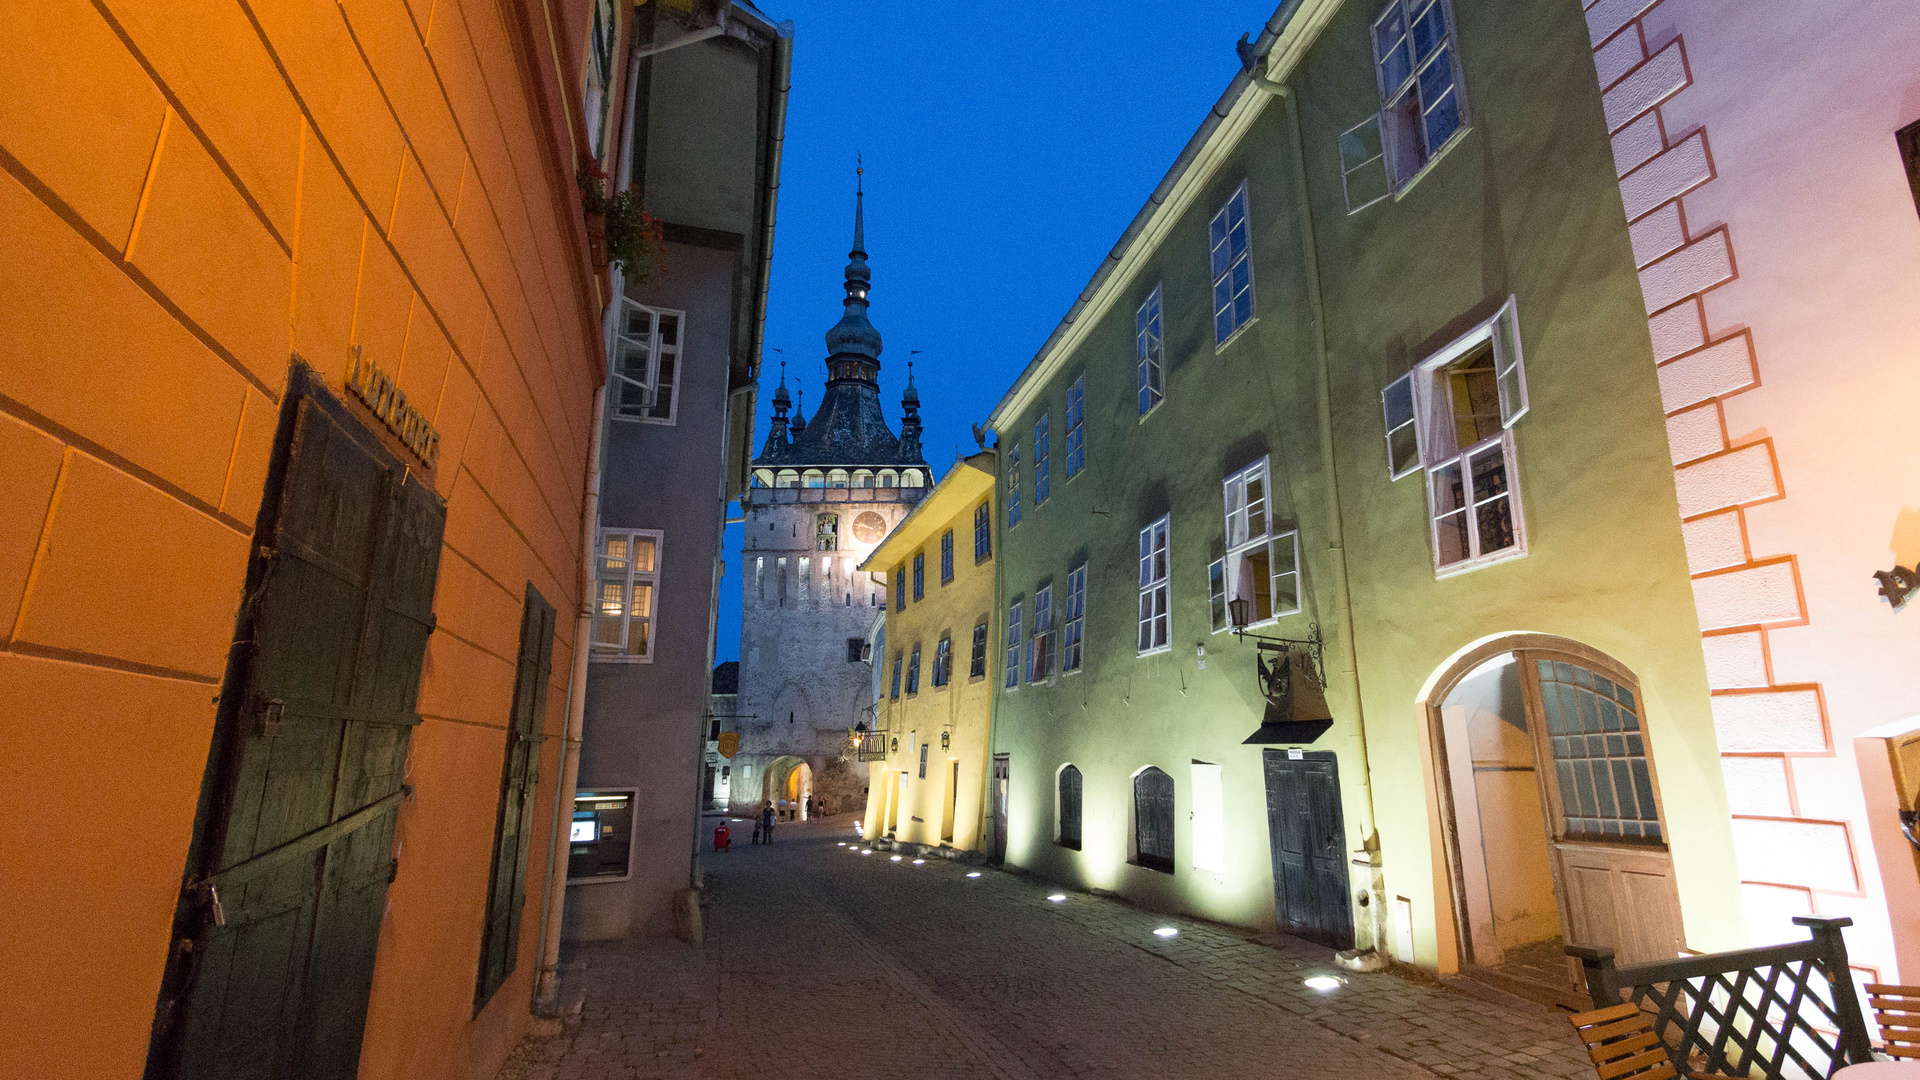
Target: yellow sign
<point x="729" y="743"/>
<point x="383" y="396"/>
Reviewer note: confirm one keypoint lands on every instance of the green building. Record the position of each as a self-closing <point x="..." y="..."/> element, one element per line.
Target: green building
<point x="1374" y="362"/>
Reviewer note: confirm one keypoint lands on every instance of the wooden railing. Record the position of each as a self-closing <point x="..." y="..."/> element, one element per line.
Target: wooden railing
<point x="1783" y="1011"/>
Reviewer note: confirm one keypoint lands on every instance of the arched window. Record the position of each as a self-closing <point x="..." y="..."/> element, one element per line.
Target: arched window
<point x="787" y="478"/>
<point x="863" y="478"/>
<point x="763" y="478"/>
<point x="1070" y="808"/>
<point x="813" y="478"/>
<point x="888" y="478"/>
<point x="1153" y="820"/>
<point x="911" y="478"/>
<point x="837" y="478"/>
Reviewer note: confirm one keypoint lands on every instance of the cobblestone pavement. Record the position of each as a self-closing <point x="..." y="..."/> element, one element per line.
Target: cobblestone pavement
<point x="820" y="962"/>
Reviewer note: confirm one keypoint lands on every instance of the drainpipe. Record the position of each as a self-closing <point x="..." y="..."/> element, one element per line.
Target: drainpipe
<point x="1376" y="891"/>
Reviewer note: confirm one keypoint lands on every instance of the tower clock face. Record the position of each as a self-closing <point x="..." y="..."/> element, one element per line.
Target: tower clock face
<point x="869" y="527"/>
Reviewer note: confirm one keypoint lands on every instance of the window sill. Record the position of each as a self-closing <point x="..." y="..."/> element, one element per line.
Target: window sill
<point x="1221" y="346"/>
<point x="1156" y="867"/>
<point x="1154" y="409"/>
<point x="1155" y="652"/>
<point x="1073" y="846"/>
<point x="1467" y="566"/>
<point x="618" y="659"/>
<point x="971" y="679"/>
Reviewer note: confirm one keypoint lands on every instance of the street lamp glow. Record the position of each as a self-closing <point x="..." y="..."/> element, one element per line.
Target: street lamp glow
<point x="842" y="843"/>
<point x="973" y="874"/>
<point x="919" y="862"/>
<point x="895" y="858"/>
<point x="1058" y="898"/>
<point x="1166" y="931"/>
<point x="866" y="851"/>
<point x="1323" y="983"/>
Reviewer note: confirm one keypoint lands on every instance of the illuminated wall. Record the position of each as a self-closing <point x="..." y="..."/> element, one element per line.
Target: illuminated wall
<point x="1779" y="252"/>
<point x="192" y="194"/>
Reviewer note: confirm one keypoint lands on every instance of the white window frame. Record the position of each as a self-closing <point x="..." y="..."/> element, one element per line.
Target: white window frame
<point x="913" y="671"/>
<point x="1013" y="645"/>
<point x="1436" y="433"/>
<point x="943" y="662"/>
<point x="1242" y="513"/>
<point x="1402" y="174"/>
<point x="597" y="75"/>
<point x="628" y="577"/>
<point x="1222" y="262"/>
<point x="1362" y="152"/>
<point x="1156" y="591"/>
<point x="1217" y="612"/>
<point x="1013" y="486"/>
<point x="1073" y="638"/>
<point x="1076" y="427"/>
<point x="1040" y="638"/>
<point x="979" y="646"/>
<point x="898" y="657"/>
<point x="1150" y="345"/>
<point x="624" y="374"/>
<point x="1042" y="463"/>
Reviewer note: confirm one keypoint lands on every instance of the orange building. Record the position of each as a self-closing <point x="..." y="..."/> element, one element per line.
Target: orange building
<point x="301" y="338"/>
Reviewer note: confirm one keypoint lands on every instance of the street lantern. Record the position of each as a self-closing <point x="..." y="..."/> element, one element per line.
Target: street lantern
<point x="1238" y="607"/>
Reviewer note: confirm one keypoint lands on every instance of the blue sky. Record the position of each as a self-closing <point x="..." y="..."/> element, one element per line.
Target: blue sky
<point x="1006" y="149"/>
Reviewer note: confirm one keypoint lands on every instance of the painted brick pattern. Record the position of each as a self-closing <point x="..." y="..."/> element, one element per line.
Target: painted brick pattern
<point x="1666" y="177"/>
<point x="1770" y="721"/>
<point x="1695" y="433"/>
<point x="1757" y="786"/>
<point x="1738" y="477"/>
<point x="1651" y="83"/>
<point x="1659" y="233"/>
<point x="1735" y="661"/>
<point x="1817" y="854"/>
<point x="1692" y="270"/>
<point x="1749" y="596"/>
<point x="1716" y="371"/>
<point x="1714" y="542"/>
<point x="1637" y="143"/>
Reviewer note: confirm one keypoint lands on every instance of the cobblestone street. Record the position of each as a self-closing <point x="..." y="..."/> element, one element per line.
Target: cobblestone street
<point x="820" y="962"/>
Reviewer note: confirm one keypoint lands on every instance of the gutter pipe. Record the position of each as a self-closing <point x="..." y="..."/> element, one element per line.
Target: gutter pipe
<point x="1222" y="108"/>
<point x="1310" y="253"/>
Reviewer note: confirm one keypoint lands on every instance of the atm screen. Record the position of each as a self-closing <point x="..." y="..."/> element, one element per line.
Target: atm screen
<point x="583" y="830"/>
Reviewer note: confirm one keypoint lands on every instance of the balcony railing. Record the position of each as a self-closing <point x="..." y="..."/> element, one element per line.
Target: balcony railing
<point x="866" y="746"/>
<point x="1783" y="1011"/>
<point x="766" y="496"/>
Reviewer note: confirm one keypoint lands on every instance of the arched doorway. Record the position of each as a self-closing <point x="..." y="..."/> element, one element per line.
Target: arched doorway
<point x="800" y="790"/>
<point x="1552" y="815"/>
<point x="788" y="779"/>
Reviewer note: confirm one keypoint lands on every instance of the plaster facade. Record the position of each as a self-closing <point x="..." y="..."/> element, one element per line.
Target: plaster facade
<point x="1775" y="230"/>
<point x="193" y="195"/>
<point x="1517" y="214"/>
<point x="941" y="803"/>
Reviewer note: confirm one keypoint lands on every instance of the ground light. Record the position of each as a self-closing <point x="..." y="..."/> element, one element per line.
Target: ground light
<point x="974" y="873"/>
<point x="866" y="851"/>
<point x="1166" y="931"/>
<point x="1323" y="983"/>
<point x="1058" y="898"/>
<point x="919" y="862"/>
<point x="896" y="858"/>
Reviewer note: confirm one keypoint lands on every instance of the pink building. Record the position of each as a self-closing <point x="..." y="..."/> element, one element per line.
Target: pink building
<point x="1767" y="159"/>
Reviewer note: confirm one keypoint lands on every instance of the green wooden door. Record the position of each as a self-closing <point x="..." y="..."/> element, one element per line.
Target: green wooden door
<point x="287" y="877"/>
<point x="507" y="891"/>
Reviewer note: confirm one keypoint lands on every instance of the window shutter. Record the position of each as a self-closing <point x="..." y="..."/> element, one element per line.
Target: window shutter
<point x="1508" y="368"/>
<point x="507" y="894"/>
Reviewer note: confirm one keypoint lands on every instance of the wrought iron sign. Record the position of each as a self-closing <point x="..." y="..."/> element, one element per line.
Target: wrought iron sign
<point x="1898" y="585"/>
<point x="1293" y="685"/>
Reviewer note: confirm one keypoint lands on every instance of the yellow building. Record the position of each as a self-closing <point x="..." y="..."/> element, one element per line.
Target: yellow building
<point x="934" y="699"/>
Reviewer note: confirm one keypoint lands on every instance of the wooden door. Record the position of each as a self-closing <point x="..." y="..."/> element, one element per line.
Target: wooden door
<point x="286" y="880"/>
<point x="1153" y="820"/>
<point x="1306" y="830"/>
<point x="1000" y="773"/>
<point x="1612" y="866"/>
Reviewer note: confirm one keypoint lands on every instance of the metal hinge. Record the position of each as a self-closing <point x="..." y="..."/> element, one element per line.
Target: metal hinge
<point x="271" y="723"/>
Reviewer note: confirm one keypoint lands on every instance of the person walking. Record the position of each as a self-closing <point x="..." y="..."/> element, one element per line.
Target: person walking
<point x="766" y="822"/>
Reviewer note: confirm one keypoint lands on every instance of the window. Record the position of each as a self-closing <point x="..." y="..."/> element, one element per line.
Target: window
<point x="1040" y="639"/>
<point x="919" y="576"/>
<point x="629" y="571"/>
<point x="1363" y="165"/>
<point x="760" y="577"/>
<point x="1147" y="342"/>
<point x="1599" y="757"/>
<point x="1909" y="139"/>
<point x="826" y="535"/>
<point x="1464" y="401"/>
<point x="982" y="533"/>
<point x="1232" y="268"/>
<point x="598" y="75"/>
<point x="1076" y="618"/>
<point x="1217" y="613"/>
<point x="1013" y="645"/>
<point x="1076" y="426"/>
<point x="1013" y="486"/>
<point x="780" y="584"/>
<point x="806" y="576"/>
<point x="1154" y="631"/>
<point x="856" y="649"/>
<point x="923" y="759"/>
<point x="943" y="661"/>
<point x="1419" y="85"/>
<point x="913" y="671"/>
<point x="1069" y="815"/>
<point x="1153" y="820"/>
<point x="946" y="557"/>
<point x="977" y="662"/>
<point x="896" y="675"/>
<point x="899" y="584"/>
<point x="1403" y="443"/>
<point x="1209" y="818"/>
<point x="1262" y="566"/>
<point x="513" y="822"/>
<point x="1041" y="469"/>
<point x="646" y="362"/>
